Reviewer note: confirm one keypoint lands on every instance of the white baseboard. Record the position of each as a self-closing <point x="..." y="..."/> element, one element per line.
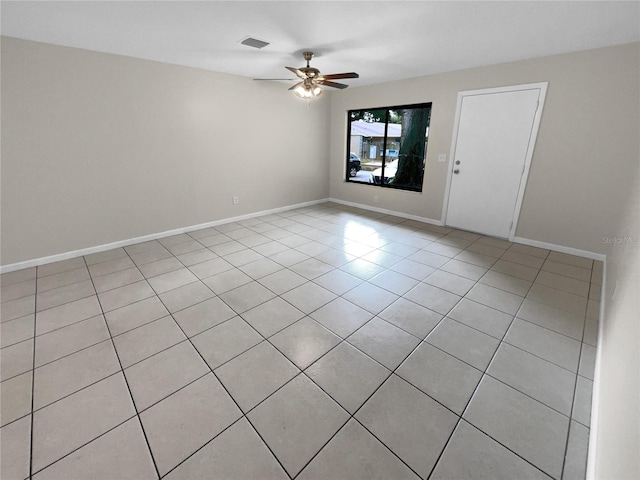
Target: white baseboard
<point x="595" y="395"/>
<point x="154" y="236"/>
<point x="560" y="248"/>
<point x="388" y="212"/>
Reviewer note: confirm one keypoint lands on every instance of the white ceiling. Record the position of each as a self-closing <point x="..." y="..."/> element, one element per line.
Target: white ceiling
<point x="381" y="40"/>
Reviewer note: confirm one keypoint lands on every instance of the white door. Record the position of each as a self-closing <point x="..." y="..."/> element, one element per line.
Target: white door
<point x="496" y="131"/>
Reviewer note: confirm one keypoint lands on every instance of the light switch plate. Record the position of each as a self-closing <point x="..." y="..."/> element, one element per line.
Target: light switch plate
<point x="442" y="157"/>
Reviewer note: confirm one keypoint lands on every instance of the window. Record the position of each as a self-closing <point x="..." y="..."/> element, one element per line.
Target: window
<point x="387" y="146"/>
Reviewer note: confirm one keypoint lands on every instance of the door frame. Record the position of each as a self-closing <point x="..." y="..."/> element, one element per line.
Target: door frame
<point x="529" y="155"/>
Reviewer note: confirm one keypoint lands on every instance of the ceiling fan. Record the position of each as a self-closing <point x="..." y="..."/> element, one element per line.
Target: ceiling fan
<point x="312" y="79"/>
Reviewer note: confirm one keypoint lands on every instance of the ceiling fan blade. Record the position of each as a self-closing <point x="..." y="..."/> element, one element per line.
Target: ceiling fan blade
<point x="299" y="73"/>
<point x="335" y="76"/>
<point x="327" y="83"/>
<point x="259" y="79"/>
<point x="296" y="85"/>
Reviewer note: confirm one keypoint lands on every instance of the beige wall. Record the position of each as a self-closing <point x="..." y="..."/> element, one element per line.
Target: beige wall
<point x="618" y="431"/>
<point x="587" y="143"/>
<point x="98" y="148"/>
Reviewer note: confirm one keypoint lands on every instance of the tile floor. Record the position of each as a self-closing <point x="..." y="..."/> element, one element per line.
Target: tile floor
<point x="324" y="342"/>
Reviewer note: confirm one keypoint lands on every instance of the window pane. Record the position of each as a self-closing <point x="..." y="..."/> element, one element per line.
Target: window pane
<point x="407" y="147"/>
<point x="366" y="143"/>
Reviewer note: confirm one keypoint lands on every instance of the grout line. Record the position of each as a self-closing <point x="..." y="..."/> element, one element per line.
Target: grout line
<point x="133" y="402"/>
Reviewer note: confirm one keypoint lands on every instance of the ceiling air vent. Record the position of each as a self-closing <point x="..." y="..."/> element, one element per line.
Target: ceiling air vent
<point x="254" y="42"/>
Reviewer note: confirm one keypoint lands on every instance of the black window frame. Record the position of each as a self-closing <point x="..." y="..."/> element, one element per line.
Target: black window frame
<point x="428" y="105"/>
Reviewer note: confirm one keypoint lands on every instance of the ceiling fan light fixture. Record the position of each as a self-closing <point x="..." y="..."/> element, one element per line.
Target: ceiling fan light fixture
<point x="308" y="91"/>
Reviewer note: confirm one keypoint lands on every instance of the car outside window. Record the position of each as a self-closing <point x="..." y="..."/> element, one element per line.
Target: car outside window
<point x="387" y="146"/>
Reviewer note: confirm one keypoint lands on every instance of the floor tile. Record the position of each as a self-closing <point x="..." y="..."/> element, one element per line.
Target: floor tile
<point x="394" y="282"/>
<point x="127" y="318"/>
<point x="558" y="299"/>
<point x="60" y="267"/>
<point x="202" y="316"/>
<point x="495" y="298"/>
<point x="567" y="259"/>
<point x="309" y="416"/>
<point x="272" y="316"/>
<point x="552" y="318"/>
<point x="582" y="401"/>
<point x="506" y="282"/>
<point x="304" y="342"/>
<point x="383" y="342"/>
<point x="110" y="266"/>
<point x="441" y="376"/>
<point x="416" y="270"/>
<point x="120" y="453"/>
<point x="183" y="297"/>
<point x="16" y="359"/>
<point x="282" y="281"/>
<point x="311" y="268"/>
<point x="160" y="267"/>
<point x="522" y="258"/>
<point x="144" y="341"/>
<point x="17" y="308"/>
<point x="210" y="268"/>
<point x="566" y="284"/>
<point x="59" y="296"/>
<point x="15" y="444"/>
<point x="15" y="398"/>
<point x="464" y="269"/>
<point x="63" y="279"/>
<point x="184" y="247"/>
<point x="225" y="341"/>
<point x="257" y="373"/>
<point x="149" y="256"/>
<point x="18" y="276"/>
<point x="411" y="317"/>
<point x="171" y="280"/>
<point x="289" y="257"/>
<point x="261" y="268"/>
<point x="120" y="297"/>
<point x="74" y="372"/>
<point x="433" y="298"/>
<point x="486" y="319"/>
<point x="515" y="270"/>
<point x="463" y="342"/>
<point x="225" y="458"/>
<point x="367" y="459"/>
<point x="17" y="330"/>
<point x="182" y="423"/>
<point x="247" y="296"/>
<point x="551" y="346"/>
<point x="362" y="269"/>
<point x="64" y="426"/>
<point x="533" y="376"/>
<point x="428" y="258"/>
<point x="308" y="297"/>
<point x="337" y="281"/>
<point x="228" y="280"/>
<point x="116" y="279"/>
<point x="197" y="256"/>
<point x="164" y="373"/>
<point x="348" y="375"/>
<point x="383" y="258"/>
<point x="587" y="361"/>
<point x="67" y="340"/>
<point x="341" y="317"/>
<point x="477" y="259"/>
<point x="575" y="464"/>
<point x="450" y="282"/>
<point x="67" y="314"/>
<point x="242" y="257"/>
<point x="471" y="454"/>
<point x="412" y="425"/>
<point x="370" y="297"/>
<point x="530" y="429"/>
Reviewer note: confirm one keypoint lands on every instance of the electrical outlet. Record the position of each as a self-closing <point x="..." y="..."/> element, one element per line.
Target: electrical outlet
<point x="375" y="199"/>
<point x="236" y="200"/>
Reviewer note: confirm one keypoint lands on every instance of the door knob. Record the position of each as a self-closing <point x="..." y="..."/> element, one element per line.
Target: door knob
<point x="457" y="162"/>
<point x="456" y="171"/>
